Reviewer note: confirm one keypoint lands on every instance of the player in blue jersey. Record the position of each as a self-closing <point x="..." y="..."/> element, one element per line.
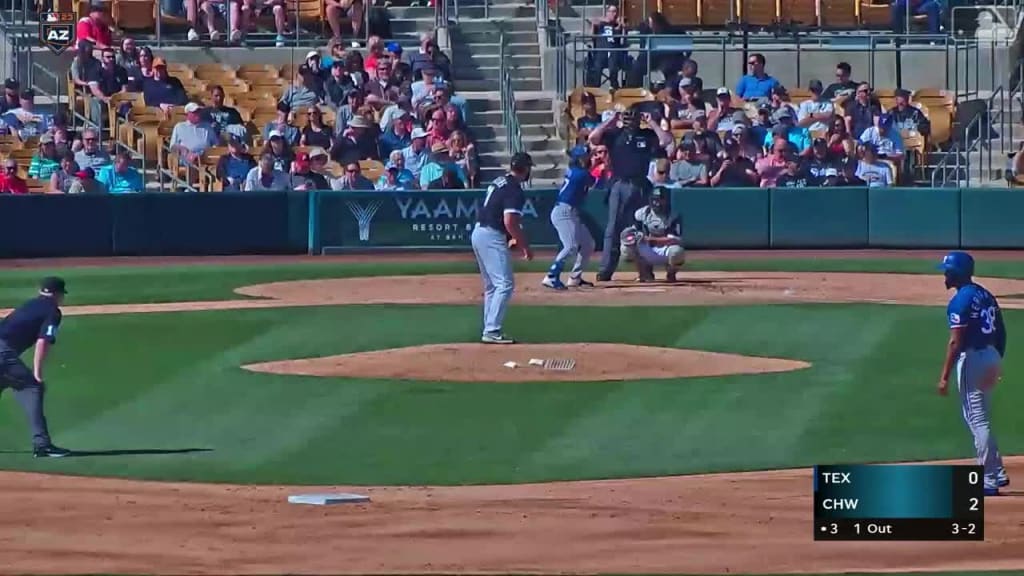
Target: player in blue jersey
<point x="572" y="232"/>
<point x="977" y="344"/>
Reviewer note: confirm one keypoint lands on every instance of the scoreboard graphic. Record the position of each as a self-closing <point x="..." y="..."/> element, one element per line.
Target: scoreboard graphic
<point x="899" y="502"/>
<point x="57" y="30"/>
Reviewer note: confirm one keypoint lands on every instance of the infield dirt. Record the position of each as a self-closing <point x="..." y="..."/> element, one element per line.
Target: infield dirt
<point x="758" y="522"/>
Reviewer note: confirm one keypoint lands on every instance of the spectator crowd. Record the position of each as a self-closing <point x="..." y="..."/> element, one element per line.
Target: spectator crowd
<point x="751" y="135"/>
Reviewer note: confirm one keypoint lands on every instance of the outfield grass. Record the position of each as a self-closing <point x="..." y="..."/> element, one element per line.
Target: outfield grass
<point x="172" y="381"/>
<point x="144" y="284"/>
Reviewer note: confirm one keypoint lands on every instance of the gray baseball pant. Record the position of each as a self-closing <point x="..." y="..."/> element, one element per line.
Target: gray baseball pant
<point x="28" y="392"/>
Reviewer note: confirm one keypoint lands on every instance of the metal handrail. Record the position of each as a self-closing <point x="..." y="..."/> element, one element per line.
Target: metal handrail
<point x="509" y="116"/>
<point x="173" y="174"/>
<point x="960" y="153"/>
<point x="727" y="42"/>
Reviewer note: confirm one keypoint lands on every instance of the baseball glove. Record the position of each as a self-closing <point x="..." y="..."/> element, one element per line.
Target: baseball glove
<point x="631" y="236"/>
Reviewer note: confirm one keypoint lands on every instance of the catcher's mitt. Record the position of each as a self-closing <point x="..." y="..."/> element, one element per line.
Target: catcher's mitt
<point x="631" y="236"/>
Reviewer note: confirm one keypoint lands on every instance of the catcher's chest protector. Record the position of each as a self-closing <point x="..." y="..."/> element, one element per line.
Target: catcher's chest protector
<point x="653" y="223"/>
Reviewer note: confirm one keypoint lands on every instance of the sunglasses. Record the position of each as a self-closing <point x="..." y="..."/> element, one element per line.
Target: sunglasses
<point x="352" y="170"/>
<point x="752" y="63"/>
<point x="12" y="168"/>
<point x="89" y="139"/>
<point x="600" y="151"/>
<point x="662" y="172"/>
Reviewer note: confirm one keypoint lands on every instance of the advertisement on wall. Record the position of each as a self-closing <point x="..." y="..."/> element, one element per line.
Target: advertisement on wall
<point x="421" y="219"/>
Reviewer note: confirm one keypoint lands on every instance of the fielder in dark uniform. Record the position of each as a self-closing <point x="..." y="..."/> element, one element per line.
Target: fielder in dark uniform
<point x="34" y="323"/>
<point x="498" y="228"/>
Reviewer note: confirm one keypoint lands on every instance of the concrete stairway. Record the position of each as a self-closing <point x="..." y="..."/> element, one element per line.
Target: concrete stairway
<point x="476" y="59"/>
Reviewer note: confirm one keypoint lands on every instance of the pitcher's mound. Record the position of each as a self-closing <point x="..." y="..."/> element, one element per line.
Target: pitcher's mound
<point x="486" y="363"/>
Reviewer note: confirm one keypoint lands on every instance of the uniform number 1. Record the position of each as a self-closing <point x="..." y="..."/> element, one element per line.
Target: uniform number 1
<point x="988" y="320"/>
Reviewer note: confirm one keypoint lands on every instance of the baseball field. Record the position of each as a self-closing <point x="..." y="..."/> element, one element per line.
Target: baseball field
<point x="199" y="394"/>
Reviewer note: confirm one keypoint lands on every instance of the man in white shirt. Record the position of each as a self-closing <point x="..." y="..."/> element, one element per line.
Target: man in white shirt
<point x="886" y="139"/>
<point x="816" y="113"/>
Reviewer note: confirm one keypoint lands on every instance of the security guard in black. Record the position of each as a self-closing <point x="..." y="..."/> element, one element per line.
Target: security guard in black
<point x="33" y="323"/>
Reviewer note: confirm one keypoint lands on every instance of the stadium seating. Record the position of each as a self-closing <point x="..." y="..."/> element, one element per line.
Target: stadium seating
<point x="715" y="14"/>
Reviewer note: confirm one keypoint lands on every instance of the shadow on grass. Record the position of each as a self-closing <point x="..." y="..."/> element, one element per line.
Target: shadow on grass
<point x="135" y="452"/>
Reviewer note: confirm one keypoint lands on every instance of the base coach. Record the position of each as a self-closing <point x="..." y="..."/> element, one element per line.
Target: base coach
<point x="34" y="323"/>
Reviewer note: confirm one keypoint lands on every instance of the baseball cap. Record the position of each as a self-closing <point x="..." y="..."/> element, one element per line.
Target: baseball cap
<point x="234" y="139"/>
<point x="885" y="121"/>
<point x="900" y="92"/>
<point x="521" y="160"/>
<point x="87" y="173"/>
<point x="738" y="129"/>
<point x="393" y="47"/>
<point x="779" y="90"/>
<point x="779" y="130"/>
<point x="302" y="158"/>
<point x="684" y="82"/>
<point x="317" y="152"/>
<point x="192" y="107"/>
<point x="730" y="142"/>
<point x="723" y="91"/>
<point x="871" y="146"/>
<point x="11" y="84"/>
<point x="158" y="62"/>
<point x="418" y="132"/>
<point x="820" y="142"/>
<point x="312" y="54"/>
<point x="284" y="107"/>
<point x="815" y="86"/>
<point x="784" y="112"/>
<point x="275" y="134"/>
<point x="46" y="139"/>
<point x="53" y="285"/>
<point x="578" y="152"/>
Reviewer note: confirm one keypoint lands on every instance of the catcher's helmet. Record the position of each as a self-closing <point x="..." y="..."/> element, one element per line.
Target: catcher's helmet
<point x="658" y="198"/>
<point x="958" y="267"/>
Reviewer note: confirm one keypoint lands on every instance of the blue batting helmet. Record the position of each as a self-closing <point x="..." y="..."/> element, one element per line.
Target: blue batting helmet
<point x="959" y="265"/>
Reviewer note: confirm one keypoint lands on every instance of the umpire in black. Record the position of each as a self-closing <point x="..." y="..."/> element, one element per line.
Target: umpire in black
<point x="631" y="149"/>
<point x="34" y="323"/>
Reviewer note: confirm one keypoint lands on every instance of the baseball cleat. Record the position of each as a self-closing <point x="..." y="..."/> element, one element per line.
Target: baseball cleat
<point x="579" y="283"/>
<point x="992" y="492"/>
<point x="604" y="277"/>
<point x="671" y="277"/>
<point x="1004" y="482"/>
<point x="50" y="451"/>
<point x="553" y="283"/>
<point x="496" y="339"/>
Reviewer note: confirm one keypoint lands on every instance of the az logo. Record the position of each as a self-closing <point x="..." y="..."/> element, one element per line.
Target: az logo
<point x="57" y="31"/>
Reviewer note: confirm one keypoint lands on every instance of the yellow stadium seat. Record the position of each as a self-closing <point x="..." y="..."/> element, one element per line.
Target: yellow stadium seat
<point x="682" y="12"/>
<point x="134" y="14"/>
<point x="840" y="14"/>
<point x="717" y="13"/>
<point x="758" y="12"/>
<point x="802" y="13"/>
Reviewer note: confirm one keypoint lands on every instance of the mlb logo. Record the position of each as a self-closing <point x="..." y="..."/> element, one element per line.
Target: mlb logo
<point x="57" y="30"/>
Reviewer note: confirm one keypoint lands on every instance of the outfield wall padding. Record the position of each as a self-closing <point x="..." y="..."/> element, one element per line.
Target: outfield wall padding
<point x="319" y="222"/>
